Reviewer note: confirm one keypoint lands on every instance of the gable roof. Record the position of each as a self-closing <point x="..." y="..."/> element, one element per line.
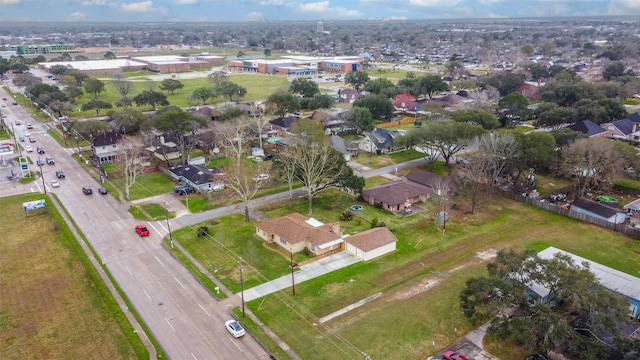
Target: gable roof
<point x="340" y="144"/>
<point x="596" y="207"/>
<point x="624" y="125"/>
<point x="395" y="192"/>
<point x="296" y="228"/>
<point x="431" y="180"/>
<point x="635" y="117"/>
<point x="196" y="174"/>
<point x="587" y="127"/>
<point x="382" y="138"/>
<point x="285" y="122"/>
<point x="372" y="238"/>
<point x="108" y="138"/>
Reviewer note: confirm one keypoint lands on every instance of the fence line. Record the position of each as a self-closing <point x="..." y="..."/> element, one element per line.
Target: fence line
<point x="621" y="228"/>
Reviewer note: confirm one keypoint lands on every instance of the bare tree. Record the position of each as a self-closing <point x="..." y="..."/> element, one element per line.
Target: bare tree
<point x="243" y="181"/>
<point x="472" y="176"/>
<point x="131" y="158"/>
<point x="592" y="163"/>
<point x="486" y="99"/>
<point x="286" y="166"/>
<point x="258" y="124"/>
<point x="318" y="167"/>
<point x="503" y="151"/>
<point x="122" y="85"/>
<point x="233" y="137"/>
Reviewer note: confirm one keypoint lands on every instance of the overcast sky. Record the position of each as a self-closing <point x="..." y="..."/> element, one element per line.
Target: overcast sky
<point x="256" y="10"/>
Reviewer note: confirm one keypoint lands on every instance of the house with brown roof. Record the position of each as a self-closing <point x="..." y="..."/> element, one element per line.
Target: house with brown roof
<point x="296" y="232"/>
<point x="396" y="195"/>
<point x="371" y="243"/>
<point x="433" y="182"/>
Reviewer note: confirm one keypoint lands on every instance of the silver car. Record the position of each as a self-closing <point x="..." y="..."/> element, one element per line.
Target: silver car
<point x="234" y="328"/>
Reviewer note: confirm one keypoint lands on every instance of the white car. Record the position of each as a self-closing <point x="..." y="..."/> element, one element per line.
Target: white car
<point x="234" y="328"/>
<point x="27" y="134"/>
<point x="55" y="183"/>
<point x="28" y="148"/>
<point x="261" y="177"/>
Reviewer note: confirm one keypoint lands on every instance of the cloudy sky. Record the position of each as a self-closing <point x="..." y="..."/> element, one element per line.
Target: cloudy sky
<point x="259" y="10"/>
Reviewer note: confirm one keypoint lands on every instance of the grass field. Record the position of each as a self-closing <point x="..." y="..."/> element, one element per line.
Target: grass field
<point x="420" y="282"/>
<point x="51" y="307"/>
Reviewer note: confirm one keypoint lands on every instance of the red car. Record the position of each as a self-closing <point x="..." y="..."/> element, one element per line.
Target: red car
<point x="142" y="230"/>
<point x="452" y="355"/>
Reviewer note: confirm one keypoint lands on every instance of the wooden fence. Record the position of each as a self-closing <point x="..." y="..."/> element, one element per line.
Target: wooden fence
<point x="396" y="123"/>
<point x="621" y="228"/>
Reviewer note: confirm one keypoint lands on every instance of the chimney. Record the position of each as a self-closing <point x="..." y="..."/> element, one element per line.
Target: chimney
<point x="335" y="227"/>
<point x="406" y="194"/>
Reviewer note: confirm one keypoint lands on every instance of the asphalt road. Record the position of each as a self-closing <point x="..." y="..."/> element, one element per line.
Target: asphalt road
<point x="185" y="319"/>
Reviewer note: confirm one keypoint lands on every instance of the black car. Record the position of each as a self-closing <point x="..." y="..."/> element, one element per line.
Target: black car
<point x="40" y="150"/>
<point x="87" y="190"/>
<point x="60" y="174"/>
<point x="103" y="190"/>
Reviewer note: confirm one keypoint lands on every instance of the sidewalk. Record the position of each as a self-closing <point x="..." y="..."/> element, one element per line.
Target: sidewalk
<point x="308" y="271"/>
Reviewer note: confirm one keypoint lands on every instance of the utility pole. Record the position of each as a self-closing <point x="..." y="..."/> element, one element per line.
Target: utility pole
<point x="44" y="187"/>
<point x="241" y="287"/>
<point x="166" y="215"/>
<point x="293" y="284"/>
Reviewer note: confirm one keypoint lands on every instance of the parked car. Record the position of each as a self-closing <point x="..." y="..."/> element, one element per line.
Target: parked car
<point x="40" y="150"/>
<point x="142" y="230"/>
<point x="183" y="189"/>
<point x="452" y="355"/>
<point x="28" y="148"/>
<point x="60" y="174"/>
<point x="261" y="177"/>
<point x="234" y="328"/>
<point x="103" y="190"/>
<point x="50" y="160"/>
<point x="55" y="183"/>
<point x="87" y="190"/>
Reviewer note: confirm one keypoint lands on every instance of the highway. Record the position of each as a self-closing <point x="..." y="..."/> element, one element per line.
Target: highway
<point x="186" y="320"/>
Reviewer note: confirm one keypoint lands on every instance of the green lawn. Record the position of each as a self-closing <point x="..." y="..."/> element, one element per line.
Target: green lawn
<point x="378" y="161"/>
<point x="146" y="185"/>
<point x="405" y="277"/>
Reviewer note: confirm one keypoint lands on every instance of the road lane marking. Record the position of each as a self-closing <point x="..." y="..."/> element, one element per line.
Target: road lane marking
<point x="168" y="323"/>
<point x="154" y="228"/>
<point x="194" y="357"/>
<point x="145" y="292"/>
<point x="179" y="282"/>
<point x="234" y="343"/>
<point x="162" y="226"/>
<point x="203" y="309"/>
<point x="158" y="260"/>
<point x="130" y="273"/>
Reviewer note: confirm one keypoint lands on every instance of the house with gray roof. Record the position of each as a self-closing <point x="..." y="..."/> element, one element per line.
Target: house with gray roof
<point x="623" y="129"/>
<point x="433" y="182"/>
<point x="105" y="146"/>
<point x="612" y="279"/>
<point x="588" y="127"/>
<point x="199" y="177"/>
<point x="378" y="140"/>
<point x="345" y="147"/>
<point x="599" y="210"/>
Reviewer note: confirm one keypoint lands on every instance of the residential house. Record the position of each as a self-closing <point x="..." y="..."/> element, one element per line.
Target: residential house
<point x="198" y="177"/>
<point x="599" y="210"/>
<point x="371" y="243"/>
<point x="347" y="148"/>
<point x="623" y="129"/>
<point x="379" y="140"/>
<point x="349" y="95"/>
<point x="163" y="148"/>
<point x="104" y="146"/>
<point x="612" y="279"/>
<point x="396" y="196"/>
<point x="433" y="182"/>
<point x="295" y="233"/>
<point x="589" y="127"/>
<point x="284" y="123"/>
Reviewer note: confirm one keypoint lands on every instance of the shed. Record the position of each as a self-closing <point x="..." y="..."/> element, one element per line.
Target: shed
<point x="599" y="210"/>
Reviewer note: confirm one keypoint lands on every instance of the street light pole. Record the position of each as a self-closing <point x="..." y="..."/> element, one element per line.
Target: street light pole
<point x="293" y="284"/>
<point x="241" y="287"/>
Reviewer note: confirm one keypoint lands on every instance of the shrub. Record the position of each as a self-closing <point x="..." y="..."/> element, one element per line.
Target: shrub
<point x="346" y="216"/>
